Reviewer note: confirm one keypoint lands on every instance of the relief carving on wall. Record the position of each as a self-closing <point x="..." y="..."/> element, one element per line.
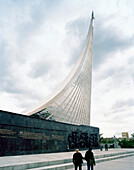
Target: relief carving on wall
<point x="82" y="140"/>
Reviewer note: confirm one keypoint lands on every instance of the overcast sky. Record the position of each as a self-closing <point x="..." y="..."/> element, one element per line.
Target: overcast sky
<point x="40" y="41"/>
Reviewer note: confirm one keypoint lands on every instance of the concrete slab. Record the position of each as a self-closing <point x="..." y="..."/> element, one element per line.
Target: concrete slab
<point x="31" y="160"/>
<point x="119" y="164"/>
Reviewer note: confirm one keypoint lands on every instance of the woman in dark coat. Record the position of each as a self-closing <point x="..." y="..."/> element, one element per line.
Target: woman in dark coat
<point x="89" y="157"/>
<point x="77" y="159"/>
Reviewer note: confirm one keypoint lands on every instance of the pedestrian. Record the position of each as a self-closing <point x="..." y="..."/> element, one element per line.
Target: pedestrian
<point x="67" y="148"/>
<point x="89" y="157"/>
<point x="101" y="146"/>
<point x="77" y="159"/>
<point x="106" y="147"/>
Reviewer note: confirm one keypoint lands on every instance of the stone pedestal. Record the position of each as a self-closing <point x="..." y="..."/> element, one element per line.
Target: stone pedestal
<point x="20" y="134"/>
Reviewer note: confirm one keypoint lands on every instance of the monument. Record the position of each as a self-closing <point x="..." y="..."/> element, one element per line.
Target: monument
<point x="70" y="102"/>
<point x="61" y="120"/>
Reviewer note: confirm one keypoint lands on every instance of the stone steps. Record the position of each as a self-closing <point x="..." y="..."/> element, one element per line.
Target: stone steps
<point x="70" y="165"/>
<point x="59" y="163"/>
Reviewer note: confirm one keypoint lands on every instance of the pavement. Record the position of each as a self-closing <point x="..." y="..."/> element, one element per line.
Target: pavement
<point x="62" y="160"/>
<point x="119" y="164"/>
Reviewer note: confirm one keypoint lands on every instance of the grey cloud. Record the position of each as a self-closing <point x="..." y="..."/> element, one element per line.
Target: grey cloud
<point x="121" y="118"/>
<point x="37" y="12"/>
<point x="40" y="69"/>
<point x="14" y="21"/>
<point x="118" y="120"/>
<point x="31" y="98"/>
<point x="26" y="99"/>
<point x="4" y="63"/>
<point x="117" y="75"/>
<point x="106" y="41"/>
<point x="115" y="118"/>
<point x="131" y="60"/>
<point x="23" y="18"/>
<point x="10" y="86"/>
<point x="77" y="28"/>
<point x="109" y="117"/>
<point x="27" y="28"/>
<point x="122" y="104"/>
<point x="7" y="82"/>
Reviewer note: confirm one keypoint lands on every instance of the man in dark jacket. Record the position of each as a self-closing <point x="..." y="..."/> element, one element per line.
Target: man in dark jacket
<point x="89" y="157"/>
<point x="77" y="159"/>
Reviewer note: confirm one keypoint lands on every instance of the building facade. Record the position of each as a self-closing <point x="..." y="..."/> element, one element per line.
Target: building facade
<point x="125" y="135"/>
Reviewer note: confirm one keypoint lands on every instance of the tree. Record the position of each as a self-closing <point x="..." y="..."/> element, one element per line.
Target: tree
<point x="100" y="137"/>
<point x="132" y="135"/>
<point x="126" y="144"/>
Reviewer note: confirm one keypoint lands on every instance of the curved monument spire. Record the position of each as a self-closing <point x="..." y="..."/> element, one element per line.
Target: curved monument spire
<point x="70" y="102"/>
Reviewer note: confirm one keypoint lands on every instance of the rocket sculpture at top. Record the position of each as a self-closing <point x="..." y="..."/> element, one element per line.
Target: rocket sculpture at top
<point x="71" y="101"/>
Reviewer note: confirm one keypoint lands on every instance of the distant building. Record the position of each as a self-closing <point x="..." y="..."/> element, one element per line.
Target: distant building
<point x="125" y="135"/>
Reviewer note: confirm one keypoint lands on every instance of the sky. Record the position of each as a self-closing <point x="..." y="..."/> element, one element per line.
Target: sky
<point x="40" y="41"/>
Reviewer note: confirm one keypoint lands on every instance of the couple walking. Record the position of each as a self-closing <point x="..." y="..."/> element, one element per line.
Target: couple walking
<point x="89" y="157"/>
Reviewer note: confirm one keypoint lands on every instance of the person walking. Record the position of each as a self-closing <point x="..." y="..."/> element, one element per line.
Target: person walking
<point x="106" y="147"/>
<point x="67" y="148"/>
<point x="77" y="159"/>
<point x="89" y="157"/>
<point x="101" y="146"/>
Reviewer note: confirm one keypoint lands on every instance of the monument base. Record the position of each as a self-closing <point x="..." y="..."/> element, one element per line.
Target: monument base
<point x="20" y="134"/>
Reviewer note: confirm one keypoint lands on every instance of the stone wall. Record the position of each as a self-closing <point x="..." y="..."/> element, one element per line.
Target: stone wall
<point x="20" y="134"/>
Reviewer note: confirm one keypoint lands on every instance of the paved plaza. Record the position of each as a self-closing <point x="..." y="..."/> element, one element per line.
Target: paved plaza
<point x="119" y="164"/>
<point x="11" y="160"/>
<point x="106" y="160"/>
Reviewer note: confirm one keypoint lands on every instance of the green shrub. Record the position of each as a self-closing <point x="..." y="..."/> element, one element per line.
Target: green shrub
<point x="126" y="144"/>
